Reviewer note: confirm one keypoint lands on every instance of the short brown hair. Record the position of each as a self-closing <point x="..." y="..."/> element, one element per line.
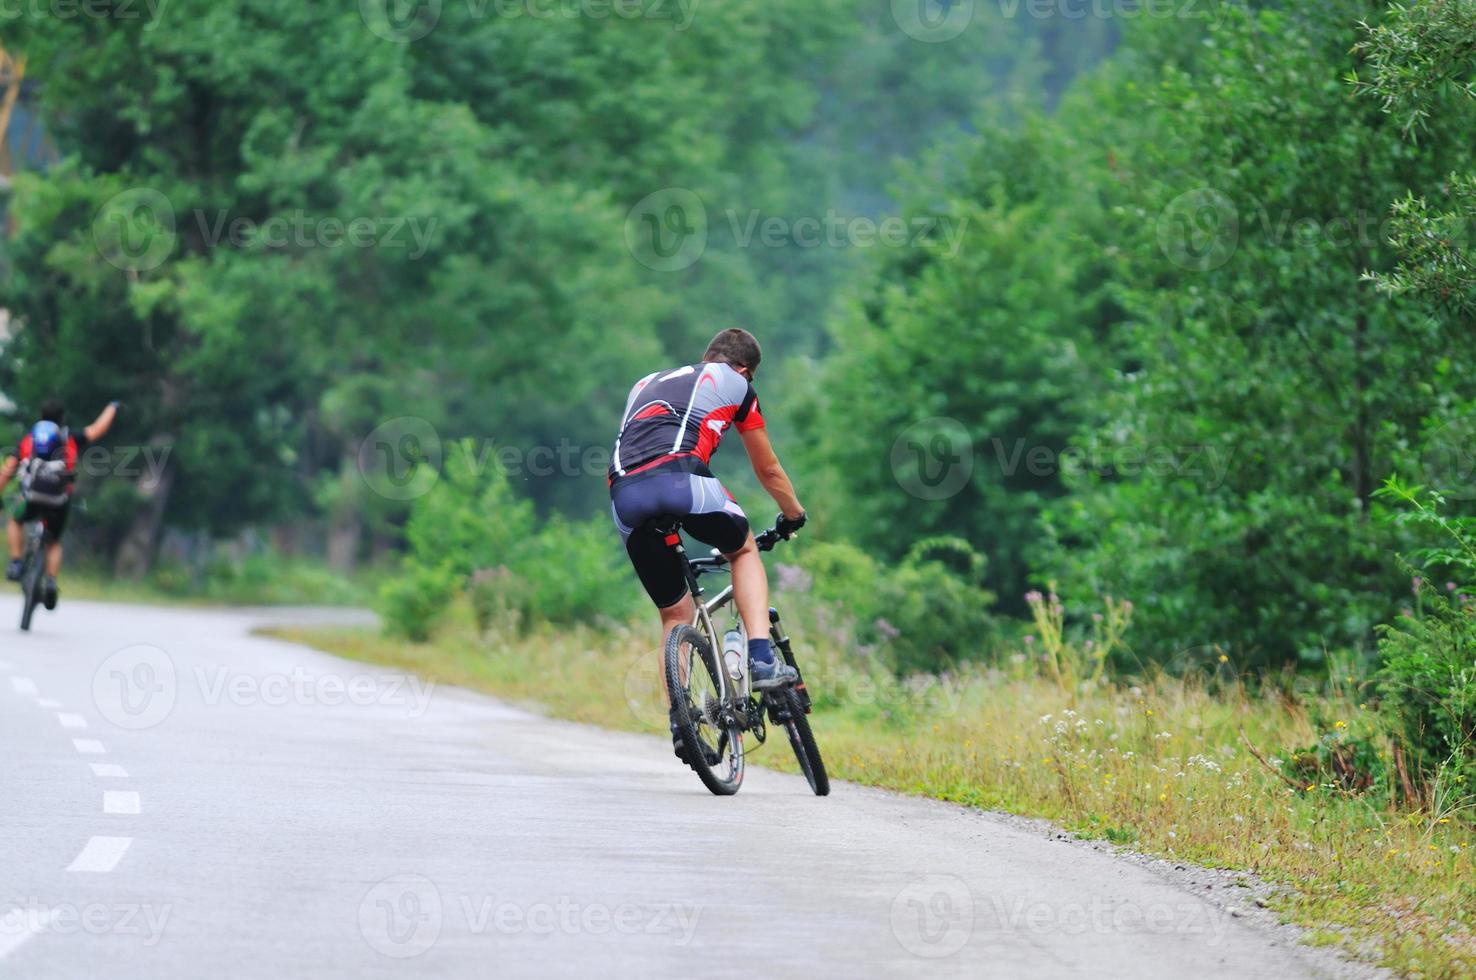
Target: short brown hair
<point x="734" y="346"/>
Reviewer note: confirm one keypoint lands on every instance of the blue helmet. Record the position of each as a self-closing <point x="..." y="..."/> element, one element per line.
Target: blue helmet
<point x="45" y="438"/>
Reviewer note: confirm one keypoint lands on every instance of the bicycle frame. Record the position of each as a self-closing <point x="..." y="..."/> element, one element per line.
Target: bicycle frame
<point x="702" y="619"/>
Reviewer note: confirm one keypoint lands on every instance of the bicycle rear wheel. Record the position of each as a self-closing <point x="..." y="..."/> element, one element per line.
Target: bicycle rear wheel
<point x="30" y="589"/>
<point x="785" y="709"/>
<point x="711" y="744"/>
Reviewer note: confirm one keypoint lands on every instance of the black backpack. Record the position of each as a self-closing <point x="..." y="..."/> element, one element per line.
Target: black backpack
<point x="48" y="481"/>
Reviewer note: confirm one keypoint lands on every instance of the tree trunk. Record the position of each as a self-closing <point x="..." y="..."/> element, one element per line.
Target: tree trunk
<point x="136" y="552"/>
<point x="343" y="542"/>
<point x="346" y="522"/>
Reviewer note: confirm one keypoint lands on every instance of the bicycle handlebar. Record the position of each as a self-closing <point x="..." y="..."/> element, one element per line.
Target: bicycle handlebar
<point x="713" y="563"/>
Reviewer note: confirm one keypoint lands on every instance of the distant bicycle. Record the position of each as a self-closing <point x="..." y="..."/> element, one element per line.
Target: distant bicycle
<point x="712" y="704"/>
<point x="33" y="570"/>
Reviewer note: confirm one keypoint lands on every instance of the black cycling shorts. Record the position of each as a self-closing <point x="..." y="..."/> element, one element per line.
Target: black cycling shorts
<point x="699" y="502"/>
<point x="55" y="518"/>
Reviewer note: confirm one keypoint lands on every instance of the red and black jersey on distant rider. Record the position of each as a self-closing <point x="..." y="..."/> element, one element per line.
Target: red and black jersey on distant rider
<point x="677" y="418"/>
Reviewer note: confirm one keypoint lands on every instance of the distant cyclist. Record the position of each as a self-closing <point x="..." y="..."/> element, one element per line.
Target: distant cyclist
<point x="46" y="461"/>
<point x="673" y="422"/>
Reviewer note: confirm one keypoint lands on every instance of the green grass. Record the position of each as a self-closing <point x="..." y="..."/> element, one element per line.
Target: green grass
<point x="1159" y="765"/>
<point x="255" y="581"/>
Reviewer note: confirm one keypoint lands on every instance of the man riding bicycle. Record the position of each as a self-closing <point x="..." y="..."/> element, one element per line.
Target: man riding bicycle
<point x="47" y="462"/>
<point x="673" y="423"/>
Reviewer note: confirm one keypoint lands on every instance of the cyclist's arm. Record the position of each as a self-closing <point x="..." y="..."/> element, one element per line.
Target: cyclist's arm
<point x="102" y="423"/>
<point x="7" y="470"/>
<point x="766" y="467"/>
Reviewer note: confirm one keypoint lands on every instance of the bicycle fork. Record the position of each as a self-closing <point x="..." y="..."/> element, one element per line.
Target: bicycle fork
<point x="780" y="639"/>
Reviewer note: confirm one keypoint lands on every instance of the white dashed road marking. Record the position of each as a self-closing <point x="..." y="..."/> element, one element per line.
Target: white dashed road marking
<point x="24" y="686"/>
<point x="47" y="703"/>
<point x="101" y="855"/>
<point x="19" y="925"/>
<point x="89" y="746"/>
<point x="71" y="721"/>
<point x="106" y="770"/>
<point x="120" y="801"/>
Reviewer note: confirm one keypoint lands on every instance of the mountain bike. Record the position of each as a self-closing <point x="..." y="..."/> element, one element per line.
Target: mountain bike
<point x="33" y="570"/>
<point x="712" y="711"/>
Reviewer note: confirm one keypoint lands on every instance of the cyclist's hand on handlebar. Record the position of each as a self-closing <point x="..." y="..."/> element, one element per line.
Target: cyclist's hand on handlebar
<point x="787" y="526"/>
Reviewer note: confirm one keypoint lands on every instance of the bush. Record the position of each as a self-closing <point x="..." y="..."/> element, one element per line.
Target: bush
<point x="412" y="601"/>
<point x="927" y="614"/>
<point x="1428" y="677"/>
<point x="471" y="534"/>
<point x="1428" y="685"/>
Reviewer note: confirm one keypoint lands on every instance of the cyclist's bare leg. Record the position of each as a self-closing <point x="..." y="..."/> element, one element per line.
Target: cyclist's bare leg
<point x="679" y="614"/>
<point x="17" y="538"/>
<point x="751" y="588"/>
<point x="54" y="559"/>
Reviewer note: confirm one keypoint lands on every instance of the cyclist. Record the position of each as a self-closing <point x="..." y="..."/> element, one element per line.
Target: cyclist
<point x="674" y="421"/>
<point x="47" y="462"/>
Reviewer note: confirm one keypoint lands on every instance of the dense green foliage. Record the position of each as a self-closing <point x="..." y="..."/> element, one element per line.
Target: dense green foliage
<point x="1155" y="328"/>
<point x="1159" y="296"/>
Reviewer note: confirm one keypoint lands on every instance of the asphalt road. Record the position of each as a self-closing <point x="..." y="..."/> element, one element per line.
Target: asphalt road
<point x="179" y="798"/>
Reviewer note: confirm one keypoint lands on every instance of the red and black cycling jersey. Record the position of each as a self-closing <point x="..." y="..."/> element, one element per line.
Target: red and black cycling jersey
<point x="680" y="415"/>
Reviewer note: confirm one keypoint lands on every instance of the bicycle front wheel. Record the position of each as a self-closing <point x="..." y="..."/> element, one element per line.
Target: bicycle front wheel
<point x="785" y="709"/>
<point x="712" y="744"/>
